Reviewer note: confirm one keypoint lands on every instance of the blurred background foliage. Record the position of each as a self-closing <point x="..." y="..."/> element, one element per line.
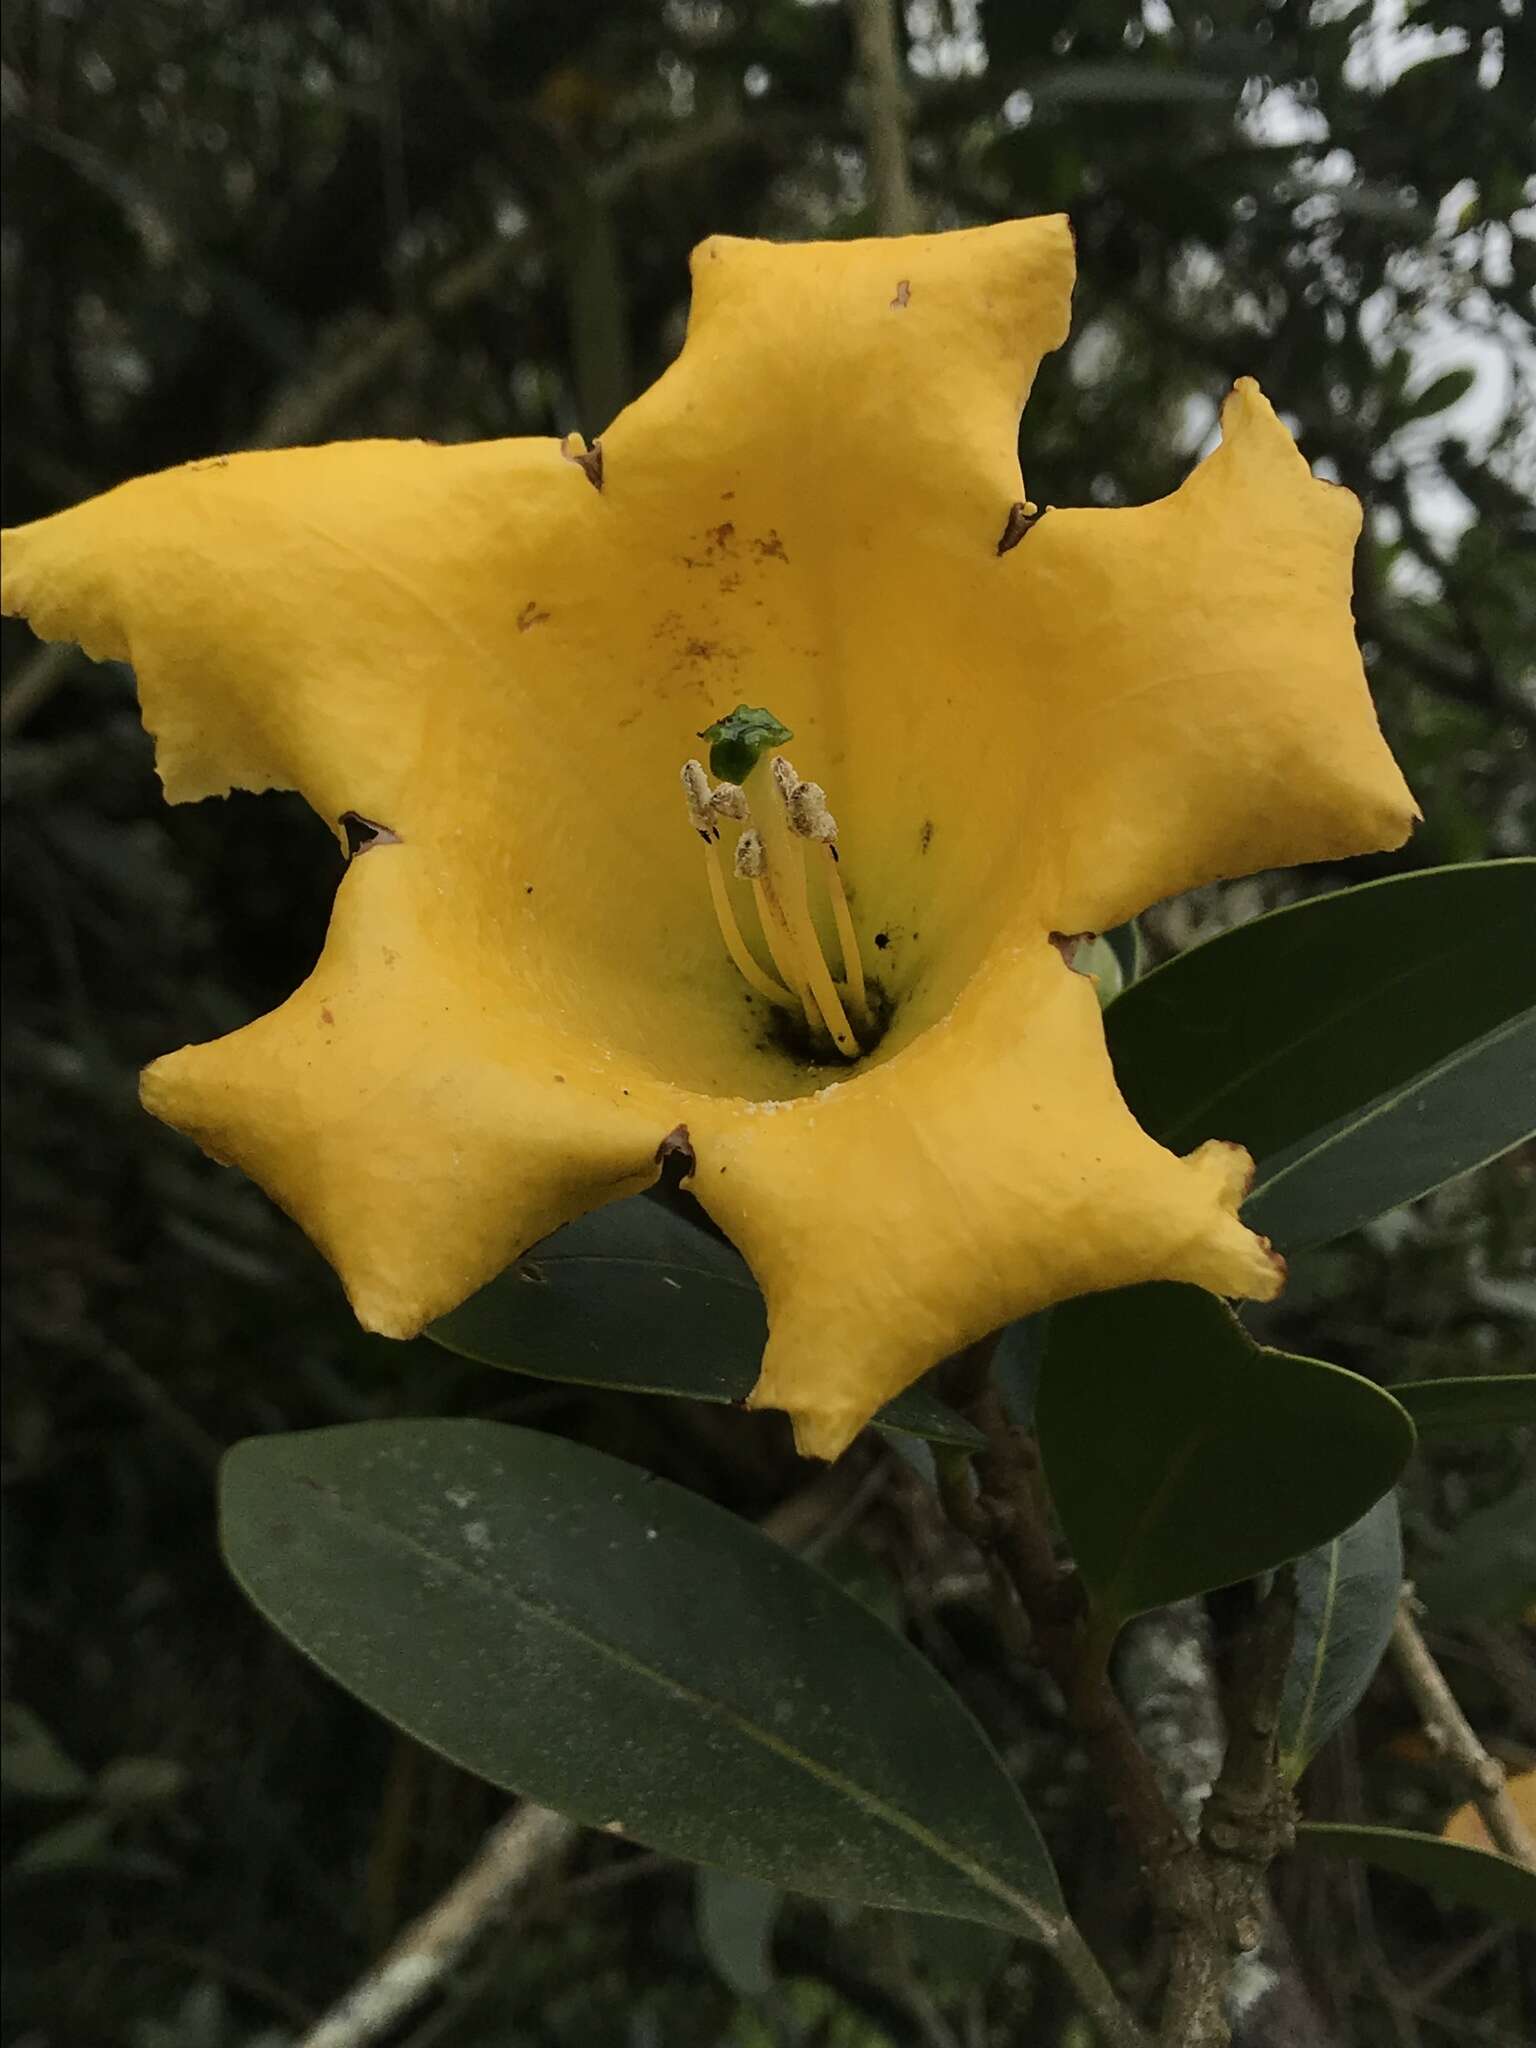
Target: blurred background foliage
<point x="231" y="223"/>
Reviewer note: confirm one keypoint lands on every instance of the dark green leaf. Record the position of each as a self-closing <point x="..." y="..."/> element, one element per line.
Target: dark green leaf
<point x="1182" y="1455"/>
<point x="1483" y="1878"/>
<point x="735" y="1918"/>
<point x="1326" y="1018"/>
<point x="1347" y="1592"/>
<point x="953" y="1956"/>
<point x="1471" y="1107"/>
<point x="1462" y="1407"/>
<point x="636" y="1297"/>
<point x="1129" y="84"/>
<point x="1490" y="1572"/>
<point x="574" y="1629"/>
<point x="1440" y="394"/>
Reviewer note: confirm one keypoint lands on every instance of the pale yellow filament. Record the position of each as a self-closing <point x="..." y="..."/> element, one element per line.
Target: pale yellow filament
<point x="781" y="944"/>
<point x="847" y="938"/>
<point x="786" y="867"/>
<point x="735" y="944"/>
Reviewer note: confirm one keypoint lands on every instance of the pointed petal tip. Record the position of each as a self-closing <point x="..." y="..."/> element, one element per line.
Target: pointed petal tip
<point x="822" y="1433"/>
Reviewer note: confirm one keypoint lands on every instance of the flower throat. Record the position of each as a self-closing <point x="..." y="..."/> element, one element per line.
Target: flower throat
<point x="789" y="830"/>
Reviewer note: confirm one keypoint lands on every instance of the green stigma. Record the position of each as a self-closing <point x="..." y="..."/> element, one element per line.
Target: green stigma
<point x="738" y="741"/>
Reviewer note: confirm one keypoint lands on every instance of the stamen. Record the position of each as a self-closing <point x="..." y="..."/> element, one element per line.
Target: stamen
<point x="729" y="799"/>
<point x="770" y="854"/>
<point x="809" y="957"/>
<point x="697" y="794"/>
<point x="752" y="866"/>
<point x="736" y="945"/>
<point x="810" y="818"/>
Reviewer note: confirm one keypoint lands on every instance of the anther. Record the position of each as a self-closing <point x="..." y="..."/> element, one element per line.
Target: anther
<point x="696" y="794"/>
<point x="809" y="817"/>
<point x="729" y="800"/>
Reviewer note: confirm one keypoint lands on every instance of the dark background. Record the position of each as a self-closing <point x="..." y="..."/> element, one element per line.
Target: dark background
<point x="230" y="224"/>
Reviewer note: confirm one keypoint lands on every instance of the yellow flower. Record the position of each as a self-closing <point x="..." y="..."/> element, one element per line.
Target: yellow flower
<point x="1017" y="727"/>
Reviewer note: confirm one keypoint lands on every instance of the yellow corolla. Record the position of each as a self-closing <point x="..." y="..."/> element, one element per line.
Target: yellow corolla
<point x="826" y="962"/>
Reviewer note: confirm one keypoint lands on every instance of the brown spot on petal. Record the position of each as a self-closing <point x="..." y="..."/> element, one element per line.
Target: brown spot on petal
<point x="588" y="460"/>
<point x="769" y="548"/>
<point x="903" y="294"/>
<point x="325" y="1014"/>
<point x="1021" y="519"/>
<point x="364" y="834"/>
<point x="677" y="1148"/>
<point x="530" y="615"/>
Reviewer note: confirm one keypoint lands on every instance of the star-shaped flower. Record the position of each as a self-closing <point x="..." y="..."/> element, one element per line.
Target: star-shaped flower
<point x="486" y="665"/>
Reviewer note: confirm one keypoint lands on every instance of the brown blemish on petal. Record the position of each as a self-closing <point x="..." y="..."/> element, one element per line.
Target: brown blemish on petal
<point x="588" y="460"/>
<point x="363" y="835"/>
<point x="325" y="1014"/>
<point x="903" y="294"/>
<point x="1021" y="519"/>
<point x="677" y="1162"/>
<point x="723" y="534"/>
<point x="530" y="615"/>
<point x="769" y="548"/>
<point x="925" y="835"/>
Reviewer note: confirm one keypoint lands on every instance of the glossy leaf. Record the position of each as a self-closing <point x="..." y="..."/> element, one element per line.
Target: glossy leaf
<point x="612" y="1646"/>
<point x="1182" y="1455"/>
<point x="1339" y="1027"/>
<point x="734" y="1917"/>
<point x="1483" y="1878"/>
<point x="1463" y="1407"/>
<point x="1347" y="1592"/>
<point x="1467" y="1110"/>
<point x="1489" y="1573"/>
<point x="636" y="1297"/>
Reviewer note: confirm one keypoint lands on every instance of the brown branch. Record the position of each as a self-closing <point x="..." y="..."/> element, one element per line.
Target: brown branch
<point x="1210" y="1891"/>
<point x="1452" y="1736"/>
<point x="527" y="1842"/>
<point x="885" y="116"/>
<point x="1247" y="1821"/>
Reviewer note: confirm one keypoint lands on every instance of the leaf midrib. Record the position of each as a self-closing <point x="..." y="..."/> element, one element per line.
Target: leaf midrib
<point x="1383" y="1105"/>
<point x="1296" y="1749"/>
<point x="1179" y="1130"/>
<point x="1044" y="1924"/>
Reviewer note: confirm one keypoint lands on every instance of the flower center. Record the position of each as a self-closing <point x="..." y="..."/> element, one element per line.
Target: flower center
<point x="787" y="833"/>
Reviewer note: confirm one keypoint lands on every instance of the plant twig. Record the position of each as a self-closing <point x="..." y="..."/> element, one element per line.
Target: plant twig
<point x="1210" y="1891"/>
<point x="885" y="116"/>
<point x="1247" y="1821"/>
<point x="1452" y="1736"/>
<point x="1097" y="1996"/>
<point x="529" y="1840"/>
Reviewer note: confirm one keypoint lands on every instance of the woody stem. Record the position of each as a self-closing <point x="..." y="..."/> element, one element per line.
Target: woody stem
<point x="1210" y="1891"/>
